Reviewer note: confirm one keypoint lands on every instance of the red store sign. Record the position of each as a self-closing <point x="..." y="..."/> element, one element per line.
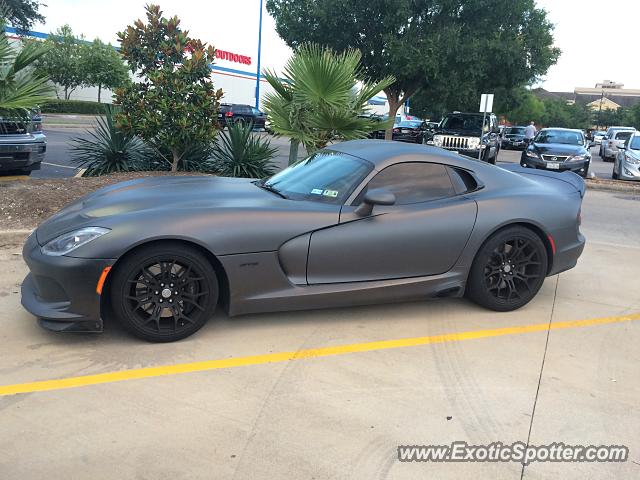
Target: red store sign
<point x="233" y="57"/>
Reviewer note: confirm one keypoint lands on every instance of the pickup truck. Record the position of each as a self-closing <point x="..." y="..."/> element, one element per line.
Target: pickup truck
<point x="22" y="144"/>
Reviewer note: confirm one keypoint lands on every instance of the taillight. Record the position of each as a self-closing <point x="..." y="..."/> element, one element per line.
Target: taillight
<point x="228" y="114"/>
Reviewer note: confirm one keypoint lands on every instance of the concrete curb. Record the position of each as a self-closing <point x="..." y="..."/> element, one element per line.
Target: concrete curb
<point x="10" y="238"/>
<point x="619" y="186"/>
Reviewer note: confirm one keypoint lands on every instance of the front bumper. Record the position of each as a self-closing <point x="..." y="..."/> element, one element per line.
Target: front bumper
<point x="61" y="291"/>
<point x="580" y="167"/>
<point x="516" y="145"/>
<point x="629" y="171"/>
<point x="23" y="156"/>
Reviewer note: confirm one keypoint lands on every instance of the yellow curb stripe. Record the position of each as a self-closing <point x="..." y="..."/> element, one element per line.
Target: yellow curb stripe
<point x="149" y="372"/>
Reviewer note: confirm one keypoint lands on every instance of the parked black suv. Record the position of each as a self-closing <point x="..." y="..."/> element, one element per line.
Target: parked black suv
<point x="463" y="133"/>
<point x="235" y="112"/>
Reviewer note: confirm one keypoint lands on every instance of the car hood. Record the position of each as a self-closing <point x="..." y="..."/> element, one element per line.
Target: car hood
<point x="157" y="196"/>
<point x="558" y="149"/>
<point x="462" y="133"/>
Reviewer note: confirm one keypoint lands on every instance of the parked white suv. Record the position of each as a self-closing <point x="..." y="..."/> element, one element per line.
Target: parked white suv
<point x="615" y="137"/>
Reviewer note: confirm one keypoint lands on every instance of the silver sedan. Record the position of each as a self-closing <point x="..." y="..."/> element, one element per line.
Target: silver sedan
<point x="627" y="161"/>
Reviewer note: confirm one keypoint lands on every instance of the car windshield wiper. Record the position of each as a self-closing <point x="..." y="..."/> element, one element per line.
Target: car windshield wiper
<point x="270" y="188"/>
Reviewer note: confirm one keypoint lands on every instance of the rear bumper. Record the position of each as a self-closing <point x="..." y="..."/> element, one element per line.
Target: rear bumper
<point x="22" y="155"/>
<point x="61" y="291"/>
<point x="566" y="256"/>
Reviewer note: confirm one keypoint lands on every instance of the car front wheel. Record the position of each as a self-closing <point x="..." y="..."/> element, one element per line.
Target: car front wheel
<point x="508" y="270"/>
<point x="164" y="292"/>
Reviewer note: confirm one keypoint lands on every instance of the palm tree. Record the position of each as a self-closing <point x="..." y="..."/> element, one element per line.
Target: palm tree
<point x="22" y="88"/>
<point x="321" y="98"/>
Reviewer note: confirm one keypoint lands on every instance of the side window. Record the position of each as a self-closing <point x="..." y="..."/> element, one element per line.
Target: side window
<point x="413" y="182"/>
<point x="255" y="111"/>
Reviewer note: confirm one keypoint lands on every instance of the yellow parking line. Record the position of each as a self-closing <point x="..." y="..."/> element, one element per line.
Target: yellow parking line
<point x="148" y="372"/>
<point x="11" y="178"/>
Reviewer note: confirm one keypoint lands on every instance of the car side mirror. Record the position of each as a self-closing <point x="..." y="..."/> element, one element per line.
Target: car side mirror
<point x="377" y="196"/>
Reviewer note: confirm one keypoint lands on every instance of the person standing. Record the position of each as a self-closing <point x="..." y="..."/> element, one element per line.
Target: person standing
<point x="530" y="132"/>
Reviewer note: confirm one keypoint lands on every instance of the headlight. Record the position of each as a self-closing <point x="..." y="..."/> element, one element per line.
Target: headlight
<point x="437" y="140"/>
<point x="632" y="160"/>
<point x="474" y="143"/>
<point x="531" y="153"/>
<point x="68" y="242"/>
<point x="579" y="157"/>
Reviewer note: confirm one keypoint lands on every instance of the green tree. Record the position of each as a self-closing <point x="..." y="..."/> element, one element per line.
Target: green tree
<point x="102" y="67"/>
<point x="174" y="104"/>
<point x="523" y="108"/>
<point x="632" y="116"/>
<point x="559" y="113"/>
<point x="63" y="62"/>
<point x="21" y="14"/>
<point x="608" y="117"/>
<point x="321" y="99"/>
<point x="21" y="87"/>
<point x="453" y="47"/>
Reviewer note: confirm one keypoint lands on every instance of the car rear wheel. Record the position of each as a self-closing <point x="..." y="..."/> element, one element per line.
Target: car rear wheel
<point x="508" y="270"/>
<point x="164" y="292"/>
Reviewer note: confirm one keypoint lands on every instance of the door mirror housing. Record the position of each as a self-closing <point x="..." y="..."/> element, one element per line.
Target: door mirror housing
<point x="378" y="196"/>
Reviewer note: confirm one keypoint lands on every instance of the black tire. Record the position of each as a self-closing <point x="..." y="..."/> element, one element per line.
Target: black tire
<point x="508" y="270"/>
<point x="164" y="292"/>
<point x="26" y="172"/>
<point x="614" y="175"/>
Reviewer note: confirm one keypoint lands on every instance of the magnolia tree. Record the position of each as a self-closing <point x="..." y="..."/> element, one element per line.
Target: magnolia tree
<point x="173" y="104"/>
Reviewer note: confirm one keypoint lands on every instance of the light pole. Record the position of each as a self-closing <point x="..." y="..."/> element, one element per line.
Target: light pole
<point x="259" y="52"/>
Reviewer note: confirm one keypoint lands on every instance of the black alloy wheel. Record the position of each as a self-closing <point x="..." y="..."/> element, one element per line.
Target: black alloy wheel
<point x="508" y="270"/>
<point x="165" y="292"/>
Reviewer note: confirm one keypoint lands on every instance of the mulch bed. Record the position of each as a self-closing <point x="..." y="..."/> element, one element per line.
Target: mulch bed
<point x="26" y="203"/>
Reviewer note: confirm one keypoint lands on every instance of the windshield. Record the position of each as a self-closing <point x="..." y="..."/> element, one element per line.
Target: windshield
<point x="515" y="131"/>
<point x="599" y="134"/>
<point x="623" y="135"/>
<point x="326" y="176"/>
<point x="462" y="122"/>
<point x="559" y="136"/>
<point x="410" y="124"/>
<point x="635" y="143"/>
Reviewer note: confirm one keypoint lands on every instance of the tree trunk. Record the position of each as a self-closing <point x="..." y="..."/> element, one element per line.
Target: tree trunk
<point x="66" y="93"/>
<point x="394" y="105"/>
<point x="293" y="151"/>
<point x="176" y="159"/>
<point x="99" y="91"/>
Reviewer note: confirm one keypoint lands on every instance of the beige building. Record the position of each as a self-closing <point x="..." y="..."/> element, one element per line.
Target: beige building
<point x="607" y="95"/>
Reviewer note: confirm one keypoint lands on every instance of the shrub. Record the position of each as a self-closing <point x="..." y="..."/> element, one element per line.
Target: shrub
<point x="110" y="150"/>
<point x="240" y="153"/>
<point x="73" y="106"/>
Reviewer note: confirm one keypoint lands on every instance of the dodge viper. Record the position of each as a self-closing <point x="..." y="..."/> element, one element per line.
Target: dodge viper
<point x="359" y="222"/>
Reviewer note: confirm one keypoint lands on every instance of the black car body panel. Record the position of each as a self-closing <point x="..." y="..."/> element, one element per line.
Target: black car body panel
<point x="235" y="112"/>
<point x="458" y="131"/>
<point x="557" y="157"/>
<point x="281" y="254"/>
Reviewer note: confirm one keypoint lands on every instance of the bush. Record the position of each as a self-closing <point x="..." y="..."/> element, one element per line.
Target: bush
<point x="239" y="153"/>
<point x="110" y="150"/>
<point x="74" y="106"/>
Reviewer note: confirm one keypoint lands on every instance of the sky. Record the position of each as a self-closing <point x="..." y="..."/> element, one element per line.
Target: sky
<point x="595" y="36"/>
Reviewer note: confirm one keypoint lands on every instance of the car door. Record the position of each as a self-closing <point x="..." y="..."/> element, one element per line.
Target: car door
<point x="422" y="234"/>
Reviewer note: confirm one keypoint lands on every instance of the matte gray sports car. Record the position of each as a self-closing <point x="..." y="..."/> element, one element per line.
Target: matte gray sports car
<point x="360" y="222"/>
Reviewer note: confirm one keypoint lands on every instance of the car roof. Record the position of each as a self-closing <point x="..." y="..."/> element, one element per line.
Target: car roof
<point x="575" y="130"/>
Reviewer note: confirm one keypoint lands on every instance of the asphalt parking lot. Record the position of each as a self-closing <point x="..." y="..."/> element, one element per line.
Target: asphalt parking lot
<point x="331" y="394"/>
